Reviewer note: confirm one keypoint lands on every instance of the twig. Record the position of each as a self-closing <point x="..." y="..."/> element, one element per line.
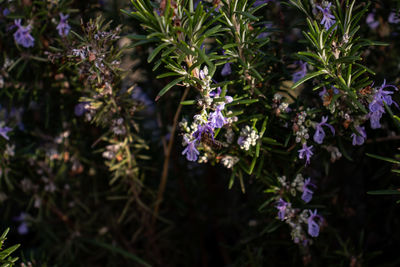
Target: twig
<point x="383" y="139"/>
<point x="164" y="176"/>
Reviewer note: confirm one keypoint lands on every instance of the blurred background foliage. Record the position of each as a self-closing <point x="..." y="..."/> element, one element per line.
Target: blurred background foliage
<point x="80" y="174"/>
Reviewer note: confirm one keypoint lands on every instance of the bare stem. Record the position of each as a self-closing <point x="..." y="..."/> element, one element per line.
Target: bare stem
<point x="164" y="175"/>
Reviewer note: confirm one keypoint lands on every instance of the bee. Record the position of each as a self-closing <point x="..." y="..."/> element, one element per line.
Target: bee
<point x="207" y="139"/>
<point x="366" y="91"/>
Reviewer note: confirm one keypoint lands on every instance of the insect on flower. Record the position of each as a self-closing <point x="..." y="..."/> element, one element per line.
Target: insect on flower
<point x="208" y="139"/>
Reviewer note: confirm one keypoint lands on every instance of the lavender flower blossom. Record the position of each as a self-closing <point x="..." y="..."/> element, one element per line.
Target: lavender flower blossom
<point x="4" y="131"/>
<point x="306" y="152"/>
<point x="216" y="118"/>
<point x="358" y="139"/>
<point x="370" y="20"/>
<point x="215" y="94"/>
<point x="319" y="131"/>
<point x="228" y="99"/>
<point x="226" y="70"/>
<point x="313" y="226"/>
<point x="281" y="205"/>
<point x="265" y="34"/>
<point x="80" y="109"/>
<point x="323" y="93"/>
<point x="63" y="27"/>
<point x="301" y="73"/>
<point x="190" y="150"/>
<point x="394" y="18"/>
<point x="307" y="192"/>
<point x="6" y="12"/>
<point x="23" y="227"/>
<point x="376" y="106"/>
<point x="23" y="35"/>
<point x="328" y="19"/>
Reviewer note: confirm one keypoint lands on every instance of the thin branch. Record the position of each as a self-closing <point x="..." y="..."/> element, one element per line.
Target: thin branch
<point x="383" y="139"/>
<point x="164" y="176"/>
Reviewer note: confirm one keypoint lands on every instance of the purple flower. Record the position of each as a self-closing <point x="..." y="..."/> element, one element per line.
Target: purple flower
<point x="204" y="129"/>
<point x="216" y="118"/>
<point x="358" y="139"/>
<point x="306" y="152"/>
<point x="394" y="18"/>
<point x="265" y="34"/>
<point x="328" y="19"/>
<point x="202" y="75"/>
<point x="4" y="131"/>
<point x="382" y="95"/>
<point x="375" y="118"/>
<point x="323" y="93"/>
<point x="307" y="192"/>
<point x="228" y="99"/>
<point x="23" y="227"/>
<point x="23" y="35"/>
<point x="301" y="73"/>
<point x="226" y="70"/>
<point x="216" y="94"/>
<point x="319" y="131"/>
<point x="313" y="226"/>
<point x="80" y="109"/>
<point x="6" y="12"/>
<point x="376" y="106"/>
<point x="260" y="2"/>
<point x="63" y="27"/>
<point x="281" y="205"/>
<point x="372" y="23"/>
<point x="190" y="150"/>
<point x="241" y="140"/>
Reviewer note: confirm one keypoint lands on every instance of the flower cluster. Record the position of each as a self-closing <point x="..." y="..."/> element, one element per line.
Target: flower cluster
<point x="297" y="218"/>
<point x="211" y="117"/>
<point x="280" y="105"/>
<point x="299" y="184"/>
<point x="248" y="137"/>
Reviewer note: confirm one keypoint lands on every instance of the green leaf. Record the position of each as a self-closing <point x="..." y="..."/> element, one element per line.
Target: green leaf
<point x="211" y="67"/>
<point x="252" y="165"/>
<point x="384" y="192"/>
<point x="232" y="178"/>
<point x="308" y="77"/>
<point x="167" y="74"/>
<point x="169" y="86"/>
<point x="248" y="15"/>
<point x="188" y="102"/>
<point x="383" y="158"/>
<point x="156" y="51"/>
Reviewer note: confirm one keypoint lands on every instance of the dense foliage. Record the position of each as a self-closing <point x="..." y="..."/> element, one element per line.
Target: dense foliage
<point x="199" y="133"/>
